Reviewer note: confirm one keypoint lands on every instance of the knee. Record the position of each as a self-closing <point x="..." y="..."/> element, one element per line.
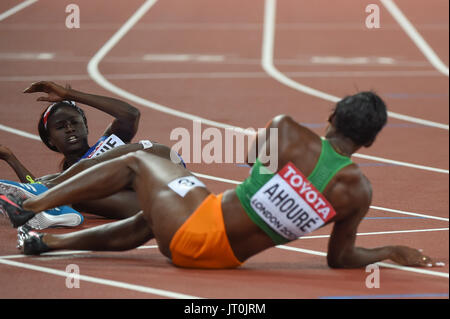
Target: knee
<point x="134" y="159"/>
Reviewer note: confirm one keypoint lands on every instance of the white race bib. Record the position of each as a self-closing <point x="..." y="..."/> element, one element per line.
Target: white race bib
<point x="109" y="143"/>
<point x="183" y="185"/>
<point x="290" y="204"/>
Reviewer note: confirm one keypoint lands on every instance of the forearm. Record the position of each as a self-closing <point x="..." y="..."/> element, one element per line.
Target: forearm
<point x="359" y="257"/>
<point x="21" y="171"/>
<point x="125" y="124"/>
<point x="117" y="108"/>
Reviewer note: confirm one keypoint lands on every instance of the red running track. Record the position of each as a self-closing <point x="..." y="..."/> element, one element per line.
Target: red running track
<point x="205" y="60"/>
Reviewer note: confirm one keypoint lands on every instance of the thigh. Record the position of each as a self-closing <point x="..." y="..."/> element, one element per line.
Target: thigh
<point x="164" y="209"/>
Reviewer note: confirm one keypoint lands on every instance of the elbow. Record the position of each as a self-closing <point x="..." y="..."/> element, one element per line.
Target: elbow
<point x="134" y="115"/>
<point x="334" y="263"/>
<point x="130" y="124"/>
<point x="338" y="261"/>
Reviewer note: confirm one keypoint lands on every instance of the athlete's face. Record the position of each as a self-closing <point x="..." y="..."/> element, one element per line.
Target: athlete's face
<point x="67" y="131"/>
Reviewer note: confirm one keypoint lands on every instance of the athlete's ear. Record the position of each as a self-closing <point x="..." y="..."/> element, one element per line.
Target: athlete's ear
<point x="369" y="144"/>
<point x="331" y="117"/>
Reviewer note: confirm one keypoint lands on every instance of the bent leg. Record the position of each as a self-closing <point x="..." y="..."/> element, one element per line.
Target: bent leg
<point x="116" y="236"/>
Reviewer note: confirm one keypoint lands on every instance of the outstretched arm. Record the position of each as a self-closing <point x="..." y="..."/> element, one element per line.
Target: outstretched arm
<point x="342" y="252"/>
<point x="126" y="120"/>
<point x="21" y="171"/>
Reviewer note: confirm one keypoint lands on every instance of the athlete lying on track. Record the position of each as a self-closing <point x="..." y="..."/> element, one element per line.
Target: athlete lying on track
<point x="63" y="128"/>
<point x="121" y="205"/>
<point x="63" y="125"/>
<point x="197" y="229"/>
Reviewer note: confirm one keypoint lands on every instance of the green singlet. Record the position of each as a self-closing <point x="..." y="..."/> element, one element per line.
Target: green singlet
<point x="330" y="162"/>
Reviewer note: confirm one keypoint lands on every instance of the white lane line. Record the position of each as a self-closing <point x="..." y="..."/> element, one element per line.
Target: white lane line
<point x="101" y="281"/>
<point x="382" y="233"/>
<point x="165" y="293"/>
<point x="383" y="264"/>
<point x="19" y="132"/>
<point x="183" y="58"/>
<point x="396" y="211"/>
<point x="71" y="253"/>
<point x="219" y="179"/>
<point x="358" y="60"/>
<point x="408" y="213"/>
<point x="26" y="56"/>
<point x="415" y="36"/>
<point x="220" y="75"/>
<point x="241" y="130"/>
<point x="269" y="67"/>
<point x="230" y="181"/>
<point x="16" y="9"/>
<point x="400" y="163"/>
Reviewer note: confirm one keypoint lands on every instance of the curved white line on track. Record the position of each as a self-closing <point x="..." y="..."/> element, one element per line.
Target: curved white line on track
<point x="98" y="77"/>
<point x="269" y="67"/>
<point x="16" y="9"/>
<point x="93" y="71"/>
<point x="102" y="81"/>
<point x="95" y="74"/>
<point x="415" y="36"/>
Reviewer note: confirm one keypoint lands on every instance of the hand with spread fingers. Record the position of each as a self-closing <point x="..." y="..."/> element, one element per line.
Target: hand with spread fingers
<point x="407" y="256"/>
<point x="56" y="93"/>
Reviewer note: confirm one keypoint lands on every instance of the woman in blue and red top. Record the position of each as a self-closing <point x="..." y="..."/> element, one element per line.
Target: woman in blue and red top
<point x="63" y="125"/>
<point x="63" y="128"/>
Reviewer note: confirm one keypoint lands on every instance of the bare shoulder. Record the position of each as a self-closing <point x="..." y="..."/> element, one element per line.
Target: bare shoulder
<point x="350" y="193"/>
<point x="284" y="120"/>
<point x="291" y="129"/>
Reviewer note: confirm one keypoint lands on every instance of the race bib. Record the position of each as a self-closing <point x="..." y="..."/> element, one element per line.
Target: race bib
<point x="103" y="145"/>
<point x="290" y="204"/>
<point x="183" y="185"/>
